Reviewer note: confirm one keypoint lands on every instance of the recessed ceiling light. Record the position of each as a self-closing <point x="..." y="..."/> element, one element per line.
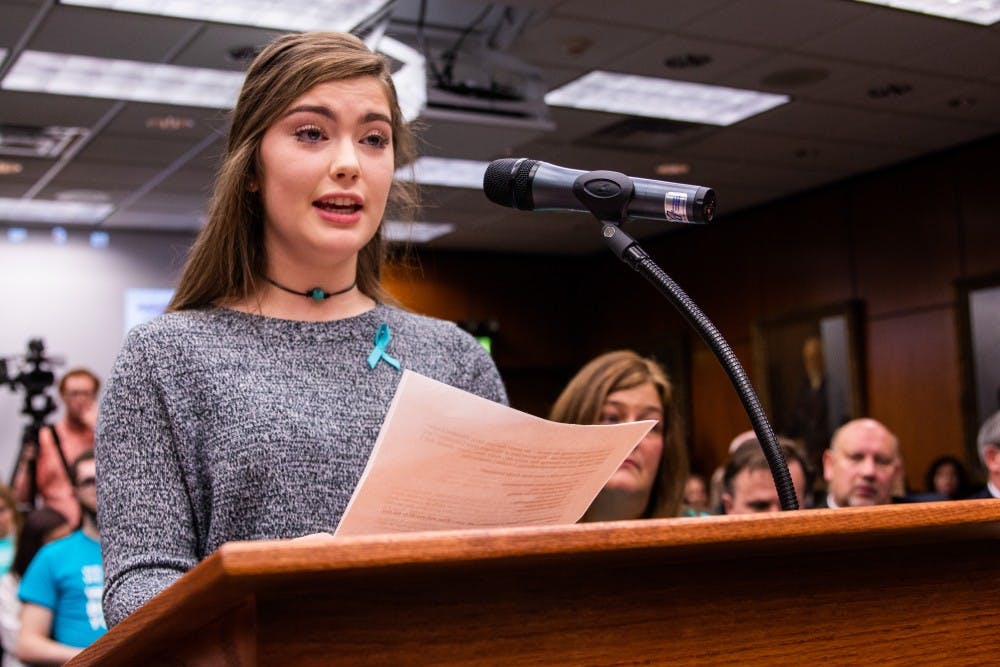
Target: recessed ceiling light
<point x="17" y="234"/>
<point x="672" y="169"/>
<point x="59" y="235"/>
<point x="99" y="239"/>
<point x="662" y="98"/>
<point x="54" y="212"/>
<point x="243" y="54"/>
<point x="687" y="60"/>
<point x="795" y="76"/>
<point x="342" y="15"/>
<point x="8" y="168"/>
<point x="962" y="102"/>
<point x="889" y="90"/>
<point x="981" y="12"/>
<point x="444" y="171"/>
<point x="577" y="46"/>
<point x="169" y="123"/>
<point x="65" y="74"/>
<point x="414" y="232"/>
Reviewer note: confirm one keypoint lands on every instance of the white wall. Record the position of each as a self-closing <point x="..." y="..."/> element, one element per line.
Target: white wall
<point x="72" y="296"/>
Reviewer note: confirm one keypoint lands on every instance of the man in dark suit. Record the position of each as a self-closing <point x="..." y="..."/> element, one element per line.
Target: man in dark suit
<point x="989" y="454"/>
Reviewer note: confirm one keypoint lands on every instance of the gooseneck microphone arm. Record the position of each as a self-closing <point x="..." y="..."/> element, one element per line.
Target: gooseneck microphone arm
<point x="606" y="194"/>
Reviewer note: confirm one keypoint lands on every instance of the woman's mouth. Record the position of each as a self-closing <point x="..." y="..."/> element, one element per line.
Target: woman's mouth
<point x="338" y="205"/>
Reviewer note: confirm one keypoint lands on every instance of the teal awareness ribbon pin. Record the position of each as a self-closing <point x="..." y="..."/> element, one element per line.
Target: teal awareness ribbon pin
<point x="382" y="338"/>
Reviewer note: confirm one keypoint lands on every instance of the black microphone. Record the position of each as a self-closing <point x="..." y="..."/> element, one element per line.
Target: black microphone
<point x="531" y="185"/>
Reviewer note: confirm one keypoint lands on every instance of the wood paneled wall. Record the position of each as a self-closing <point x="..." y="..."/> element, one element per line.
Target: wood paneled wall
<point x="898" y="240"/>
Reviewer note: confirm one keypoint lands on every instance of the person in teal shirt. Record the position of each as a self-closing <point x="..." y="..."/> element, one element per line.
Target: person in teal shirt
<point x="62" y="587"/>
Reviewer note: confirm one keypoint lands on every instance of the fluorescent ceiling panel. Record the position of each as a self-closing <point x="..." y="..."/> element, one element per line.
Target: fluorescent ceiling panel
<point x="342" y="15"/>
<point x="54" y="212"/>
<point x="662" y="98"/>
<point x="981" y="12"/>
<point x="444" y="171"/>
<point x="86" y="76"/>
<point x="414" y="232"/>
<point x="65" y="74"/>
<point x="410" y="79"/>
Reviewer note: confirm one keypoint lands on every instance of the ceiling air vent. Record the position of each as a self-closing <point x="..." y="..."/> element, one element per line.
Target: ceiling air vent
<point x="44" y="142"/>
<point x="652" y="135"/>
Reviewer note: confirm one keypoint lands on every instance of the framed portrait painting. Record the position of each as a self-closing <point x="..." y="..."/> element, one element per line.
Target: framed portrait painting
<point x="979" y="338"/>
<point x="808" y="368"/>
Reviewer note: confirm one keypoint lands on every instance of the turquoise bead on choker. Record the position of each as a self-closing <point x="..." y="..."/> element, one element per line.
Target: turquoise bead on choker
<point x="316" y="293"/>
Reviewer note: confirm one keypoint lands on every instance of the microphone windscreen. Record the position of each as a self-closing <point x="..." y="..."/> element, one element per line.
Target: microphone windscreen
<point x="507" y="182"/>
<point x="498" y="181"/>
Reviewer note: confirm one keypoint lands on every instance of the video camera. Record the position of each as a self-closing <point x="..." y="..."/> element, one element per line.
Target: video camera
<point x="33" y="373"/>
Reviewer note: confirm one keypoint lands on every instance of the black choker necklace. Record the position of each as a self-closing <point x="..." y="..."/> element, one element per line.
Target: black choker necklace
<point x="316" y="294"/>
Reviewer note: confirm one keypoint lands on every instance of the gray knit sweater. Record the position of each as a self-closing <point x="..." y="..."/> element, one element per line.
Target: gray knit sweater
<point x="218" y="425"/>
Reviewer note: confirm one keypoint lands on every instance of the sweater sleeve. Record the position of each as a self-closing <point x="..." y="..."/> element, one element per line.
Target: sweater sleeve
<point x="481" y="376"/>
<point x="145" y="513"/>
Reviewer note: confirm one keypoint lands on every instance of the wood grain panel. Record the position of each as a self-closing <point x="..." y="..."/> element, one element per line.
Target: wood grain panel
<point x="806" y="254"/>
<point x="885" y="585"/>
<point x="906" y="236"/>
<point x="717" y="413"/>
<point x="978" y="170"/>
<point x="913" y="386"/>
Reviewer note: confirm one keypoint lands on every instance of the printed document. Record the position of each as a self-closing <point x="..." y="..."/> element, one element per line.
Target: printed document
<point x="446" y="459"/>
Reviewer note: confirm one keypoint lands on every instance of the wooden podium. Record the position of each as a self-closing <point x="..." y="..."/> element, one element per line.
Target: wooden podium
<point x="901" y="584"/>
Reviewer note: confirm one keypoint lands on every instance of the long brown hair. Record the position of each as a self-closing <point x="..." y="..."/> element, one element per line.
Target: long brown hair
<point x="583" y="398"/>
<point x="228" y="259"/>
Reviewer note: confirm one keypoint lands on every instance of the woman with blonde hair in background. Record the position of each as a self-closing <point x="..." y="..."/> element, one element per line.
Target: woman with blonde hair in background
<point x="622" y="386"/>
<point x="10" y="526"/>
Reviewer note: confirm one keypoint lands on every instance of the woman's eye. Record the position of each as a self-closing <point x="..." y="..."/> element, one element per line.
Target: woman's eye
<point x="376" y="140"/>
<point x="309" y="133"/>
<point x="609" y="419"/>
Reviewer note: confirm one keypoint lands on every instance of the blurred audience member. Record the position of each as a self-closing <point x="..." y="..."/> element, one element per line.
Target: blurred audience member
<point x="696" y="496"/>
<point x="60" y="444"/>
<point x="10" y="524"/>
<point x="862" y="465"/>
<point x="715" y="484"/>
<point x="618" y="387"/>
<point x="989" y="453"/>
<point x="41" y="526"/>
<point x="62" y="587"/>
<point x="748" y="483"/>
<point x="946" y="477"/>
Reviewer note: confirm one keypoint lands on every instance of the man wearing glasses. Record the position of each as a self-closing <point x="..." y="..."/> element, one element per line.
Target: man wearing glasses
<point x="62" y="587"/>
<point x="62" y="443"/>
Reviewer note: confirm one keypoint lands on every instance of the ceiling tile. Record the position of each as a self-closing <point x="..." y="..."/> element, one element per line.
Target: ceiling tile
<point x="212" y="47"/>
<point x="776" y="23"/>
<point x="109" y="34"/>
<point x="651" y="60"/>
<point x="40" y="110"/>
<point x="643" y="13"/>
<point x="577" y="43"/>
<point x="16" y="18"/>
<point x="885" y="35"/>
